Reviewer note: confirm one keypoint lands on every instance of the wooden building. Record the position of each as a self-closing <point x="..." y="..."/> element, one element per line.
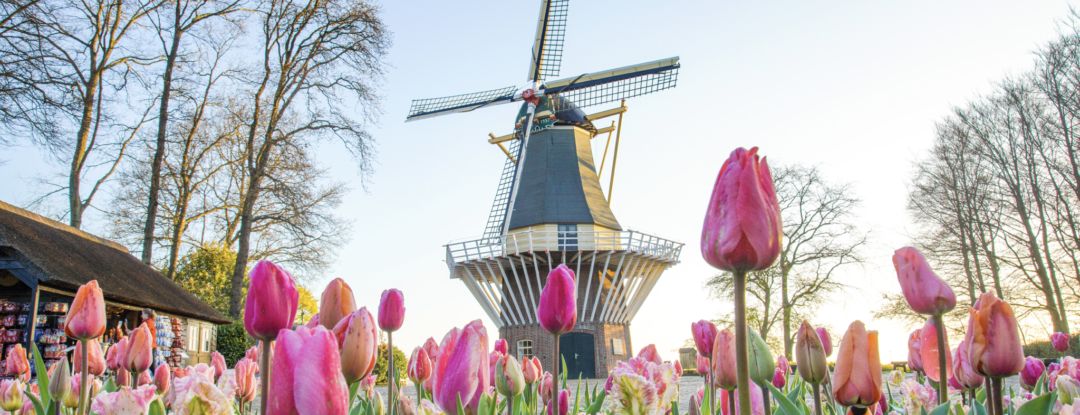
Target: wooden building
<point x="44" y="262"/>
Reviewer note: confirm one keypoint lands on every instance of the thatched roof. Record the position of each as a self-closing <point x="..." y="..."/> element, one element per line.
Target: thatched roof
<point x="65" y="258"/>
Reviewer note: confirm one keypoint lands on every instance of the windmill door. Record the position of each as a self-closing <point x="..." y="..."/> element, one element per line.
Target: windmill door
<point x="577" y="349"/>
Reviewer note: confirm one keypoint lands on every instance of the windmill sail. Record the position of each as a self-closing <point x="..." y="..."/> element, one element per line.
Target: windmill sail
<point x="548" y="44"/>
<point x="433" y="107"/>
<point x="494" y="227"/>
<point x="616" y="84"/>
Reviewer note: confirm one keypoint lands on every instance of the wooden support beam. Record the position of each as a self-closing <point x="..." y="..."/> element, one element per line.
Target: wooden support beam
<point x="604" y="114"/>
<point x="500" y="139"/>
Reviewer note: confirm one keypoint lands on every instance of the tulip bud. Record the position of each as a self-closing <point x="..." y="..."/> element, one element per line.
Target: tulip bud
<point x="11" y="395"/>
<point x="405" y="405"/>
<point x="993" y="338"/>
<point x="16" y="360"/>
<point x="162" y="379"/>
<point x="307" y="375"/>
<point x="144" y="378"/>
<point x="695" y="405"/>
<point x="380" y="407"/>
<point x="368" y="384"/>
<point x="359" y="341"/>
<point x="1068" y="389"/>
<point x="929" y="346"/>
<point x="762" y="366"/>
<point x="702" y="364"/>
<point x="826" y="340"/>
<point x="419" y="366"/>
<point x="508" y="377"/>
<point x="1060" y="341"/>
<point x="649" y="354"/>
<point x="914" y="343"/>
<point x="779" y="379"/>
<point x="60" y="381"/>
<point x="114" y="358"/>
<point x="336" y="303"/>
<point x="501" y="346"/>
<point x="391" y="310"/>
<point x="86" y="317"/>
<point x="723" y="361"/>
<point x="95" y="364"/>
<point x="546" y="387"/>
<point x="704" y="332"/>
<point x="557" y="311"/>
<point x="271" y="303"/>
<point x="857" y="378"/>
<point x="743" y="228"/>
<point x="564" y="403"/>
<point x="217" y="361"/>
<point x="1033" y="371"/>
<point x="810" y="355"/>
<point x="139" y="354"/>
<point x="532" y="370"/>
<point x="925" y="292"/>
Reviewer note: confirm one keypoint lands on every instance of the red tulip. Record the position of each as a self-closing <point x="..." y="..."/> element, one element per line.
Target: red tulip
<point x="961" y="369"/>
<point x="702" y="365"/>
<point x="162" y="379"/>
<point x="723" y="361"/>
<point x="501" y="347"/>
<point x="826" y="340"/>
<point x="857" y="378"/>
<point x="86" y="317"/>
<point x="779" y="378"/>
<point x="810" y="354"/>
<point x="462" y="369"/>
<point x="217" y="361"/>
<point x="743" y="228"/>
<point x="704" y="335"/>
<point x="246" y="383"/>
<point x="532" y="370"/>
<point x="650" y="354"/>
<point x="926" y="293"/>
<point x="419" y="366"/>
<point x="359" y="341"/>
<point x="557" y="311"/>
<point x="272" y="300"/>
<point x="16" y="360"/>
<point x="914" y="344"/>
<point x="336" y="303"/>
<point x="96" y="362"/>
<point x="391" y="310"/>
<point x="1060" y="341"/>
<point x="929" y="345"/>
<point x="139" y="355"/>
<point x="993" y="338"/>
<point x="307" y="375"/>
<point x="114" y="357"/>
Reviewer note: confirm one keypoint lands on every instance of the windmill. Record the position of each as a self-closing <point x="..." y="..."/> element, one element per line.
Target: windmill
<point x="550" y="209"/>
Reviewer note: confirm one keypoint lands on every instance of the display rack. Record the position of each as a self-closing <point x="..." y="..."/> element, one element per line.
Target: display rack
<point x="14" y="319"/>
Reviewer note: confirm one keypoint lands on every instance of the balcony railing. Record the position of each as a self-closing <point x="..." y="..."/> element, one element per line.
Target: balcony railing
<point x="570" y="241"/>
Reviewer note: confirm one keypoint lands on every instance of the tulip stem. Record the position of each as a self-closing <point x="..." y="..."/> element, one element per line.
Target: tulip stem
<point x="555" y="380"/>
<point x="742" y="359"/>
<point x="84" y="392"/>
<point x="391" y="384"/>
<point x="731" y="402"/>
<point x="999" y="401"/>
<point x="712" y="390"/>
<point x="817" y="399"/>
<point x="765" y="400"/>
<point x="264" y="376"/>
<point x="942" y="349"/>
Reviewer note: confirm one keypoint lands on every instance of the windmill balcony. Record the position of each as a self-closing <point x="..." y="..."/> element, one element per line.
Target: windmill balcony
<point x="531" y="241"/>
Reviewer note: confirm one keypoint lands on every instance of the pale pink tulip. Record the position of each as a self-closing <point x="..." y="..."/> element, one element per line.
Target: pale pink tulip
<point x="723" y="361"/>
<point x="419" y="366"/>
<point x="929" y="345"/>
<point x="993" y="338"/>
<point x="86" y="316"/>
<point x="650" y="354"/>
<point x="96" y="363"/>
<point x="926" y="293"/>
<point x="139" y="355"/>
<point x="162" y="379"/>
<point x="126" y="401"/>
<point x="358" y="338"/>
<point x="217" y="361"/>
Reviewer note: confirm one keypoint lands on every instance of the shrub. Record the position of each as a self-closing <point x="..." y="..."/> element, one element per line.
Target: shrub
<point x="233" y="342"/>
<point x="1045" y="350"/>
<point x="690" y="372"/>
<point x="401" y="364"/>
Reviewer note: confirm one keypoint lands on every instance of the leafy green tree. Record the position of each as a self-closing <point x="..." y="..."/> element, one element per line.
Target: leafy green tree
<point x="206" y="272"/>
<point x="401" y="364"/>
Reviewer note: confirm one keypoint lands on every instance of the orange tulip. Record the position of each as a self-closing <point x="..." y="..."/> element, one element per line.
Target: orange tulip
<point x="928" y="352"/>
<point x="993" y="338"/>
<point x="857" y="379"/>
<point x="337" y="302"/>
<point x="723" y="361"/>
<point x="96" y="362"/>
<point x="86" y="317"/>
<point x="139" y="354"/>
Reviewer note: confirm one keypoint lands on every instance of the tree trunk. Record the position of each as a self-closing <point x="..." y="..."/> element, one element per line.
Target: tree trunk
<point x="75" y="202"/>
<point x="159" y="150"/>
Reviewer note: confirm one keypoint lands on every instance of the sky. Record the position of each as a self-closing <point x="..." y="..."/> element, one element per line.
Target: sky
<point x="851" y="87"/>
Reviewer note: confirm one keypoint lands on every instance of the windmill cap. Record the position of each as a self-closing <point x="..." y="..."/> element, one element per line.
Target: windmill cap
<point x="566" y="113"/>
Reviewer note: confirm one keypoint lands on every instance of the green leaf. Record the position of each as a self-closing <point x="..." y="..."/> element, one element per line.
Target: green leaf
<point x="42" y="374"/>
<point x="981" y="396"/>
<point x="796" y="393"/>
<point x="38" y="407"/>
<point x="922" y="410"/>
<point x="597" y="403"/>
<point x="979" y="409"/>
<point x="960" y="409"/>
<point x="156" y="407"/>
<point x="786" y="406"/>
<point x="942" y="409"/>
<point x="577" y="395"/>
<point x="1039" y="384"/>
<point x="1038" y="406"/>
<point x="353" y="390"/>
<point x="357" y="409"/>
<point x="109" y="386"/>
<point x="460" y="406"/>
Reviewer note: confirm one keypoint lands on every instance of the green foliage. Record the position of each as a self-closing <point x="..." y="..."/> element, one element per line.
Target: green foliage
<point x="1045" y="350"/>
<point x="206" y="273"/>
<point x="401" y="364"/>
<point x="307" y="306"/>
<point x="233" y="342"/>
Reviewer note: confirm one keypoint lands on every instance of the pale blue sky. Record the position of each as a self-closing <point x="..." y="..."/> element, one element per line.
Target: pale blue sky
<point x="853" y="87"/>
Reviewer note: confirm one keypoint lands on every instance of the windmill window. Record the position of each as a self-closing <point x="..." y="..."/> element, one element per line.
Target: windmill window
<point x="568" y="238"/>
<point x="524" y="349"/>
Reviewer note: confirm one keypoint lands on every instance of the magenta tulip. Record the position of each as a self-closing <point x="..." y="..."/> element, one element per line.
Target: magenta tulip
<point x="564" y="403"/>
<point x="1033" y="370"/>
<point x="359" y="341"/>
<point x="993" y="338"/>
<point x="826" y="340"/>
<point x="1060" y="341"/>
<point x="915" y="350"/>
<point x="86" y="317"/>
<point x="391" y="310"/>
<point x="307" y="375"/>
<point x="271" y="303"/>
<point x="462" y="371"/>
<point x="419" y="366"/>
<point x="926" y="293"/>
<point x="557" y="311"/>
<point x="432" y="349"/>
<point x="743" y="228"/>
<point x="649" y="354"/>
<point x="501" y="347"/>
<point x="779" y="379"/>
<point x="704" y="332"/>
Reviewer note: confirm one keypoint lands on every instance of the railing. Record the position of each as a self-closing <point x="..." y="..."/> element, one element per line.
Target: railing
<point x="541" y="241"/>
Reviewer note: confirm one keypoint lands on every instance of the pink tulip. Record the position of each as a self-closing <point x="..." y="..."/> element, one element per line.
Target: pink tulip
<point x="272" y="300"/>
<point x="857" y="377"/>
<point x="1033" y="371"/>
<point x="532" y="370"/>
<point x="359" y="340"/>
<point x="782" y="364"/>
<point x="368" y="384"/>
<point x="702" y="365"/>
<point x="217" y="361"/>
<point x="139" y="354"/>
<point x="462" y="369"/>
<point x="757" y="401"/>
<point x="779" y="379"/>
<point x="313" y="322"/>
<point x="928" y="348"/>
<point x="826" y="340"/>
<point x="509" y="380"/>
<point x="993" y="338"/>
<point x="704" y="332"/>
<point x="144" y="378"/>
<point x="246" y="383"/>
<point x="86" y="317"/>
<point x="419" y="366"/>
<point x="391" y="310"/>
<point x="915" y="351"/>
<point x="926" y="293"/>
<point x="743" y="229"/>
<point x="961" y="369"/>
<point x="16" y="360"/>
<point x="557" y="311"/>
<point x="307" y="375"/>
<point x="124" y="402"/>
<point x="336" y="303"/>
<point x="1060" y="341"/>
<point x="162" y="379"/>
<point x="546" y="387"/>
<point x="678" y="368"/>
<point x="501" y="347"/>
<point x="123" y="377"/>
<point x="564" y="403"/>
<point x="96" y="363"/>
<point x="650" y="354"/>
<point x="723" y="361"/>
<point x="432" y="349"/>
<point x="493" y="357"/>
<point x="115" y="356"/>
<point x="11" y="394"/>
